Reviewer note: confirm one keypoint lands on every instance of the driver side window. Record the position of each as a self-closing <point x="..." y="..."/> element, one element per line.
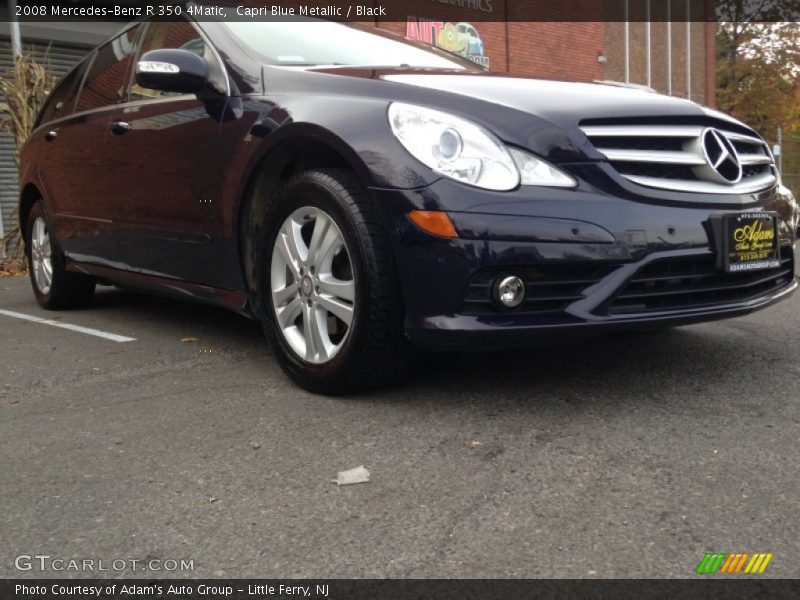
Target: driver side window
<point x="169" y="35"/>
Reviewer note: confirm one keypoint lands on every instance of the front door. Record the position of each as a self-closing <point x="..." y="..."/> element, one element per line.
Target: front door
<point x="163" y="152"/>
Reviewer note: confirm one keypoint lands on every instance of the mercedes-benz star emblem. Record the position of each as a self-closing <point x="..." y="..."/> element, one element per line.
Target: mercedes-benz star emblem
<point x="721" y="157"/>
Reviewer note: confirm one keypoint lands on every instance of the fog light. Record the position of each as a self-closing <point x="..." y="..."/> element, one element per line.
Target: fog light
<point x="509" y="291"/>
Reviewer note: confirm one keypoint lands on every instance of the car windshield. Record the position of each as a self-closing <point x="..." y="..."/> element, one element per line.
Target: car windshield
<point x="314" y="43"/>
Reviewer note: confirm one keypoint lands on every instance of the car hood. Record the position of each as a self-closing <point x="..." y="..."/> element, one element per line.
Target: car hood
<point x="559" y="102"/>
<point x="542" y="116"/>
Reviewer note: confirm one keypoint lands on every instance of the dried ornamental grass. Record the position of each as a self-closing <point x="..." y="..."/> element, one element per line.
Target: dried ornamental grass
<point x="24" y="88"/>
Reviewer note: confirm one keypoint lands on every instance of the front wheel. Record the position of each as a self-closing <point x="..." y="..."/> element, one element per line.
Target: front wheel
<point x="54" y="287"/>
<point x="329" y="297"/>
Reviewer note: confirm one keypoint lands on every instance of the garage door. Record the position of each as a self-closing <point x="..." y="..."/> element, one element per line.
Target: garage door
<point x="59" y="59"/>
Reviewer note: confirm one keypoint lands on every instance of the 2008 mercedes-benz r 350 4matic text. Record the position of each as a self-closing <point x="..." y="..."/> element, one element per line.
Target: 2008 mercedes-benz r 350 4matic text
<point x="358" y="194"/>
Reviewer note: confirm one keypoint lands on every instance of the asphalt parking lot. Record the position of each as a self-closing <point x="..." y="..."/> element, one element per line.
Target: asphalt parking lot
<point x="628" y="456"/>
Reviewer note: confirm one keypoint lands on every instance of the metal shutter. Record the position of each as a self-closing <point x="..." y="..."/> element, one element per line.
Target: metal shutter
<point x="59" y="59"/>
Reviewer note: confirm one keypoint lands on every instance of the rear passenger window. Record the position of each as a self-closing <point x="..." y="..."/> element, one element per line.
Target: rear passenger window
<point x="62" y="98"/>
<point x="108" y="73"/>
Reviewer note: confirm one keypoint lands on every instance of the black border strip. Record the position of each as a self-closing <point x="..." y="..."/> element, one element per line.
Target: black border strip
<point x="399" y="10"/>
<point x="711" y="587"/>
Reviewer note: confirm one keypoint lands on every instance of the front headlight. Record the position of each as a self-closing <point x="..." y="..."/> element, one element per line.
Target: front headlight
<point x="467" y="152"/>
<point x="454" y="147"/>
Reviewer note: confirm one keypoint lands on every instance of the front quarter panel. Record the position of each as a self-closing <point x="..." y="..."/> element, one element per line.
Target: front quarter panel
<point x="361" y="125"/>
<point x="356" y="128"/>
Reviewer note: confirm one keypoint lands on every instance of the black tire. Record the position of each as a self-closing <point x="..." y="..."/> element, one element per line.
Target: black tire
<point x="67" y="290"/>
<point x="375" y="351"/>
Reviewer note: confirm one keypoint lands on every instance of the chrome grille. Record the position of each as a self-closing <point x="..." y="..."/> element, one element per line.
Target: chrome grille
<point x="677" y="157"/>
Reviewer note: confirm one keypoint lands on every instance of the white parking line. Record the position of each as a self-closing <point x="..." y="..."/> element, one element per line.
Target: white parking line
<point x="87" y="330"/>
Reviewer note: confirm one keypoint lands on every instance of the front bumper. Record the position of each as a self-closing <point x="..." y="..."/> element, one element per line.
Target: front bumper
<point x="537" y="230"/>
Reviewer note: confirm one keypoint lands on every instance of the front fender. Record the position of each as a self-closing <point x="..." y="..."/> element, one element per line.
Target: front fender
<point x="358" y="128"/>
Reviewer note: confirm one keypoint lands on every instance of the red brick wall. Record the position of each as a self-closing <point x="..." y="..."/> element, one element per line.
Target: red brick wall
<point x="570" y="50"/>
<point x="711" y="63"/>
<point x="556" y="50"/>
<point x="538" y="49"/>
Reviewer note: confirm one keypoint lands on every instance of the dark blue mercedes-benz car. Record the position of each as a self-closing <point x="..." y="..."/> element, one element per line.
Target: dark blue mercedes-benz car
<point x="356" y="192"/>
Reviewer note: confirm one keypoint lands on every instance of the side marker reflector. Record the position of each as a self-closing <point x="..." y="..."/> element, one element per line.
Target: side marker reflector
<point x="433" y="222"/>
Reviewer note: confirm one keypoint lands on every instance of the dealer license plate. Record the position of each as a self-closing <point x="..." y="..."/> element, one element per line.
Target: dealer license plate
<point x="750" y="242"/>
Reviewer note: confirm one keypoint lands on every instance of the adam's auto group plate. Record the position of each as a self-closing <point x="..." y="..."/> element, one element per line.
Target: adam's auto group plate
<point x="750" y="242"/>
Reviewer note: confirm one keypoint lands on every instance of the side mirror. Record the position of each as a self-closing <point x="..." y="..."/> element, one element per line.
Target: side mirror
<point x="178" y="71"/>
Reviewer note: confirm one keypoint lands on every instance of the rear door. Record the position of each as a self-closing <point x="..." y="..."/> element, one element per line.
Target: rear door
<point x="164" y="157"/>
<point x="72" y="172"/>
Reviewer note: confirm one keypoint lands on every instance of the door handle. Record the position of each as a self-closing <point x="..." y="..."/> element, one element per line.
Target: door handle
<point x="120" y="127"/>
<point x="51" y="135"/>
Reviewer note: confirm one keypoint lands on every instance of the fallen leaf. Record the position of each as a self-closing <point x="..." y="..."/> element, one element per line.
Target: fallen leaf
<point x="474" y="443"/>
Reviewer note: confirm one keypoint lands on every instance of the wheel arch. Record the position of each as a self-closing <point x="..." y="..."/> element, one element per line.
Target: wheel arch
<point x="295" y="148"/>
<point x="28" y="196"/>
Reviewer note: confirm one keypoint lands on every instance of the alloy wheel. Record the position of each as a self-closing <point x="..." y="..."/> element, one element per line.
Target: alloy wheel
<point x="312" y="285"/>
<point x="41" y="256"/>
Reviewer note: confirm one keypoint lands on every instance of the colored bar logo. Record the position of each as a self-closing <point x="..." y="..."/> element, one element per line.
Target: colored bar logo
<point x="735" y="563"/>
